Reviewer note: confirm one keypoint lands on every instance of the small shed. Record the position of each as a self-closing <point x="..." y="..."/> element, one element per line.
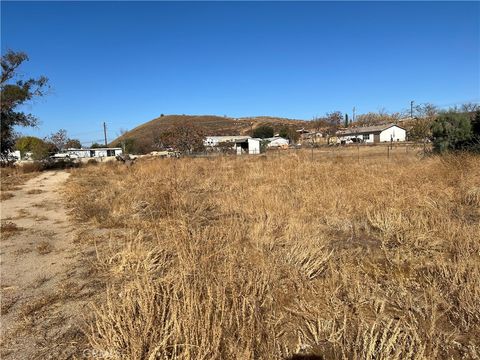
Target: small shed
<point x="240" y="144"/>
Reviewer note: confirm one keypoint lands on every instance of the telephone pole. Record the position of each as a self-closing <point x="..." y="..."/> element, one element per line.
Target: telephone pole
<point x="353" y="117"/>
<point x="411" y="109"/>
<point x="105" y="132"/>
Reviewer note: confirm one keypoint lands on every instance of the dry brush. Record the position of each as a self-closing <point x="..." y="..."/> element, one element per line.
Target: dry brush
<point x="272" y="258"/>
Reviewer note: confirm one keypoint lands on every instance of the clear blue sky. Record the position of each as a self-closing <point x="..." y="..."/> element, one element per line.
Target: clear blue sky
<point x="127" y="62"/>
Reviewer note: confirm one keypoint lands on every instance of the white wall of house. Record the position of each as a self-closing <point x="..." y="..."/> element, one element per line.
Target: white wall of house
<point x="212" y="141"/>
<point x="368" y="138"/>
<point x="253" y="146"/>
<point x="103" y="152"/>
<point x="14" y="155"/>
<point x="81" y="153"/>
<point x="394" y="132"/>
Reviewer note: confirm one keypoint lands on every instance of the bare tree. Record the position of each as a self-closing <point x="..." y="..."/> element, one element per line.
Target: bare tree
<point x="188" y="138"/>
<point x="426" y="111"/>
<point x="470" y="108"/>
<point x="59" y="139"/>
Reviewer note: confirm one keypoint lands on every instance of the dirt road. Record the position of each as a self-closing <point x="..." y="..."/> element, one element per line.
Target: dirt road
<point x="44" y="288"/>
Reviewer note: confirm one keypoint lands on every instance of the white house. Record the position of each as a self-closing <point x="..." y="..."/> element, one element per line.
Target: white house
<point x="240" y="144"/>
<point x="93" y="153"/>
<point x="373" y="134"/>
<point x="277" y="142"/>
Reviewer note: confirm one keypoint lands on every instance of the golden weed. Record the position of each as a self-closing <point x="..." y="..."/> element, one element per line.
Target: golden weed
<point x="277" y="257"/>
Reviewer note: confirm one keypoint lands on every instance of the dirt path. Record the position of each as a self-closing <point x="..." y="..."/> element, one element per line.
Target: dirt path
<point x="44" y="288"/>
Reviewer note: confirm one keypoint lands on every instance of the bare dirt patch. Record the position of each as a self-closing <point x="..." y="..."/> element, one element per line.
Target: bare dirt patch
<point x="41" y="311"/>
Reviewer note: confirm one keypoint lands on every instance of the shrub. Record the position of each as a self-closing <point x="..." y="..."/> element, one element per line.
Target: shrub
<point x="263" y="132"/>
<point x="39" y="148"/>
<point x="451" y="131"/>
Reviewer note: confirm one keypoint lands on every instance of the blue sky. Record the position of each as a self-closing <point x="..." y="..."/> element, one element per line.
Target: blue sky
<point x="127" y="62"/>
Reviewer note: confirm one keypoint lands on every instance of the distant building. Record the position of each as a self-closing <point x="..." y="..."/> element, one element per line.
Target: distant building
<point x="240" y="144"/>
<point x="93" y="153"/>
<point x="312" y="136"/>
<point x="373" y="134"/>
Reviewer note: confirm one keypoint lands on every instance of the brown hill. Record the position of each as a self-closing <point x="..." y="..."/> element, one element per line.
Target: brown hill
<point x="144" y="135"/>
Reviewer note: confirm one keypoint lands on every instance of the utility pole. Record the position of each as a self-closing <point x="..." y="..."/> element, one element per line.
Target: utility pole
<point x="105" y="132"/>
<point x="353" y="117"/>
<point x="411" y="109"/>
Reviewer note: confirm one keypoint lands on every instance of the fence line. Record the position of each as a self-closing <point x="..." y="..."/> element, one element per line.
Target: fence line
<point x="357" y="152"/>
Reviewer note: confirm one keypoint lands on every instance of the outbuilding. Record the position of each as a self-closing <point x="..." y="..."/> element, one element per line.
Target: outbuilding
<point x="240" y="144"/>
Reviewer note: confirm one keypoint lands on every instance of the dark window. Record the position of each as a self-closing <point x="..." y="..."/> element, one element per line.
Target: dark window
<point x="92" y="153"/>
<point x="110" y="152"/>
<point x="366" y="137"/>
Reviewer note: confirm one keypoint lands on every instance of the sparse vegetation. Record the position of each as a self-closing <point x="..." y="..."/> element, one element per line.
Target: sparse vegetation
<point x="11" y="178"/>
<point x="8" y="228"/>
<point x="270" y="258"/>
<point x="44" y="247"/>
<point x="34" y="191"/>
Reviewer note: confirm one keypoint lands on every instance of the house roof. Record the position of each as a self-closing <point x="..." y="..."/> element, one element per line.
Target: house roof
<point x="368" y="129"/>
<point x="276" y="138"/>
<point x="88" y="149"/>
<point x="229" y="138"/>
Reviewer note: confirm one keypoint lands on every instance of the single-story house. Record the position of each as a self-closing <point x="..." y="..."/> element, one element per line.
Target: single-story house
<point x="373" y="134"/>
<point x="277" y="142"/>
<point x="240" y="144"/>
<point x="93" y="153"/>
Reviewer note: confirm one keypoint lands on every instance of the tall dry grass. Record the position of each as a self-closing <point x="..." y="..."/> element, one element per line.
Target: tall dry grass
<point x="275" y="258"/>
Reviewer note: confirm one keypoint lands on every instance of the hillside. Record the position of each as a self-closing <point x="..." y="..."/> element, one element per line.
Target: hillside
<point x="144" y="134"/>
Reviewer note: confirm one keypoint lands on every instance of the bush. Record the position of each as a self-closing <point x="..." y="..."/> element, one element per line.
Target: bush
<point x="263" y="132"/>
<point x="39" y="148"/>
<point x="451" y="131"/>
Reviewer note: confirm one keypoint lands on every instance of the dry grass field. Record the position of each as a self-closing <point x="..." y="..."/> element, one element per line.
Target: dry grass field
<point x="281" y="257"/>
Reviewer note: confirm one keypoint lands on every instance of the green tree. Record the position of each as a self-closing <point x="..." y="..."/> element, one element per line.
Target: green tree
<point x="451" y="131"/>
<point x="289" y="133"/>
<point x="39" y="148"/>
<point x="96" y="145"/>
<point x="15" y="92"/>
<point x="420" y="129"/>
<point x="263" y="131"/>
<point x="475" y="142"/>
<point x="476" y="125"/>
<point x="346" y="121"/>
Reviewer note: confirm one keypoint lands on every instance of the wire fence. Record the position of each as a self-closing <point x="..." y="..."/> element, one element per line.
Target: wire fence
<point x="359" y="152"/>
